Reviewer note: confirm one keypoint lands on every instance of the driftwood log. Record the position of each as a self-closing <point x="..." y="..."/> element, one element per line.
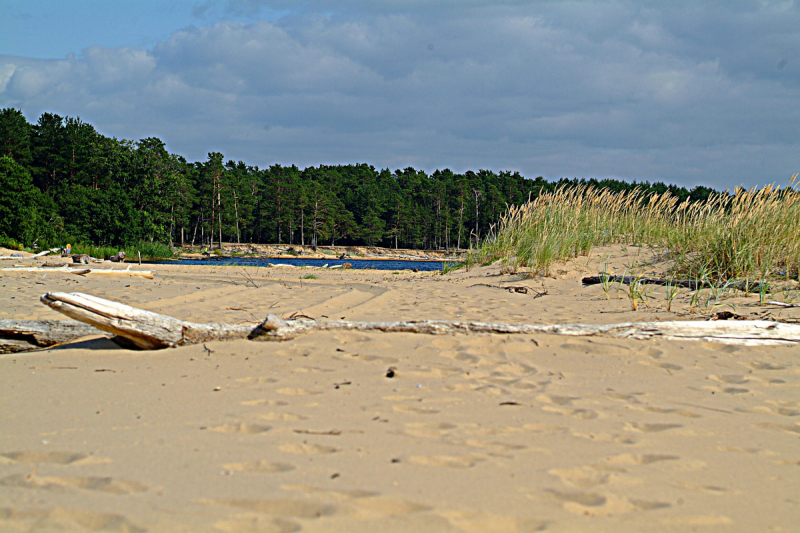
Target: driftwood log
<point x="685" y="283"/>
<point x="25" y="335"/>
<point x="148" y="330"/>
<point x="147" y="274"/>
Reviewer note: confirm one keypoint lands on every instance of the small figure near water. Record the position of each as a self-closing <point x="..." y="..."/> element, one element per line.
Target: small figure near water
<point x="66" y="251"/>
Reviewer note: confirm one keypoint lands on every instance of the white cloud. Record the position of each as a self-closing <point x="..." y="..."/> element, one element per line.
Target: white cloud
<point x="553" y="88"/>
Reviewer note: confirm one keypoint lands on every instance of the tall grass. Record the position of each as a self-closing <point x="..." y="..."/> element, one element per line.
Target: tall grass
<point x="151" y="251"/>
<point x="748" y="234"/>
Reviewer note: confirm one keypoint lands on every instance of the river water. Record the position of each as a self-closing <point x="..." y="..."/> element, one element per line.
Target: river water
<point x="377" y="264"/>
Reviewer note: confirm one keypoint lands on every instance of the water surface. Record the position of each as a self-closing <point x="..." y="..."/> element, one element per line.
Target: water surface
<point x="378" y="264"/>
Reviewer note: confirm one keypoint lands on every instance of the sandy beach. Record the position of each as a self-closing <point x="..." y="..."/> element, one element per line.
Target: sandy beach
<point x="471" y="433"/>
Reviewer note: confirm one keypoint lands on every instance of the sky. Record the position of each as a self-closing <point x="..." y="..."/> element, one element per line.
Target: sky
<point x="683" y="92"/>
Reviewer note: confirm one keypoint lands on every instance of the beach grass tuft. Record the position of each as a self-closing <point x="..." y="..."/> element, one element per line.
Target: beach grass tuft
<point x="746" y="235"/>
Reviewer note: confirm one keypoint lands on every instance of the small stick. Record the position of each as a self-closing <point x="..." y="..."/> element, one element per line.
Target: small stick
<point x="783" y="304"/>
<point x="520" y="289"/>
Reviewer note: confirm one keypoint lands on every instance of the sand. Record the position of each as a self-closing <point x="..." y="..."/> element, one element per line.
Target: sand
<point x="472" y="433"/>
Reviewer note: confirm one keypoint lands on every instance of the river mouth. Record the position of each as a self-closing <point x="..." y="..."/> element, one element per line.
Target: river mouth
<point x="376" y="264"/>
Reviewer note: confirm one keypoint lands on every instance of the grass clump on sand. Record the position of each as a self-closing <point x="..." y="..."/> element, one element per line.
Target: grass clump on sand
<point x="749" y="234"/>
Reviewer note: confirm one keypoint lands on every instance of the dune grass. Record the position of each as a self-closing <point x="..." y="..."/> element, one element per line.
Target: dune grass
<point x="747" y="234"/>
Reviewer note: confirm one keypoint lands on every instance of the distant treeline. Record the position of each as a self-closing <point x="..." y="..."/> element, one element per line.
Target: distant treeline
<point x="61" y="180"/>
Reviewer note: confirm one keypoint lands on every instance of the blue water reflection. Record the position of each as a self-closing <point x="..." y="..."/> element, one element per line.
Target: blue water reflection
<point x="378" y="264"/>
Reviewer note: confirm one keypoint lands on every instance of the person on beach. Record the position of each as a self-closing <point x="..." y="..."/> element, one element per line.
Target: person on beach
<point x="67" y="250"/>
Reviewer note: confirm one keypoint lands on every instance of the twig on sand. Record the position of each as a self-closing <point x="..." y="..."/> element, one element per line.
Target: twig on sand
<point x="783" y="304"/>
<point x="148" y="330"/>
<point x="520" y="289"/>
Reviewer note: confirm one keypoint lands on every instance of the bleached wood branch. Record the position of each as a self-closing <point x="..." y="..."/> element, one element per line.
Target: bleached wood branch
<point x="782" y="304"/>
<point x="147" y="274"/>
<point x="24" y="335"/>
<point x="149" y="330"/>
<point x="144" y="329"/>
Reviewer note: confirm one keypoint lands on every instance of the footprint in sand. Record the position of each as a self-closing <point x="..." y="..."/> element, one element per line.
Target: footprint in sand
<point x="482" y="522"/>
<point x="730" y="379"/>
<point x="257" y="524"/>
<point x="42" y="456"/>
<point x="259" y="467"/>
<point x="643" y="459"/>
<point x="264" y="402"/>
<point x="370" y="500"/>
<point x="435" y="430"/>
<point x="595" y="504"/>
<point x="312" y="370"/>
<point x="760" y="365"/>
<point x="789" y="428"/>
<point x="495" y="446"/>
<point x="246" y="429"/>
<point x="257" y="380"/>
<point x="649" y="428"/>
<point x="379" y="358"/>
<point x="62" y="483"/>
<point x="583" y="477"/>
<point x="776" y="410"/>
<point x="583" y="414"/>
<point x="515" y="369"/>
<point x="412" y="409"/>
<point x="307" y="449"/>
<point x="327" y="494"/>
<point x="279" y="507"/>
<point x="665" y="366"/>
<point x="446" y="460"/>
<point x="391" y="506"/>
<point x="711" y="489"/>
<point x="630" y="398"/>
<point x="284" y="417"/>
<point x="298" y="392"/>
<point x="59" y="519"/>
<point x="668" y="411"/>
<point x="556" y="400"/>
<point x="606" y="437"/>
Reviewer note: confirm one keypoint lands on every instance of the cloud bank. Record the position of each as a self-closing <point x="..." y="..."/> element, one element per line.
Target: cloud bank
<point x="687" y="93"/>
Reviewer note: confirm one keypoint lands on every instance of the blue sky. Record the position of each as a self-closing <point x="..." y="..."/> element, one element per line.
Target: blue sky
<point x="683" y="92"/>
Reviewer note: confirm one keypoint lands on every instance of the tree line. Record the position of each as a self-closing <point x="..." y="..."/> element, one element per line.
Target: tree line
<point x="61" y="180"/>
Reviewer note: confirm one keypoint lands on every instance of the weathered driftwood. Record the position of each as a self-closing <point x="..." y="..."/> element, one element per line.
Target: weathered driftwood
<point x="685" y="283"/>
<point x="143" y="329"/>
<point x="148" y="330"/>
<point x="783" y="304"/>
<point x="24" y="335"/>
<point x="148" y="274"/>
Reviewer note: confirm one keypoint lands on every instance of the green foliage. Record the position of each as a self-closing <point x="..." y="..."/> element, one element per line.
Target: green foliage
<point x="151" y="251"/>
<point x="451" y="267"/>
<point x="85" y="187"/>
<point x="26" y="214"/>
<point x="309" y="276"/>
<point x="11" y="244"/>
